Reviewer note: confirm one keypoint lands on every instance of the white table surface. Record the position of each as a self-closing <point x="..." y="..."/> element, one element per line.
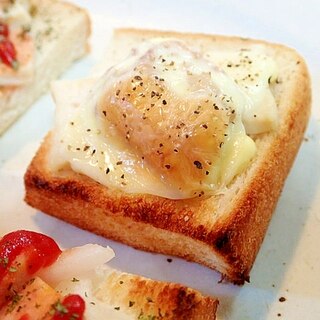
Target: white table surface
<point x="288" y="264"/>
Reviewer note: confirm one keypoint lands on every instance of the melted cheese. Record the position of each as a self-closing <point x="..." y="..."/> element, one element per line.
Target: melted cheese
<point x="166" y="121"/>
<point x="253" y="71"/>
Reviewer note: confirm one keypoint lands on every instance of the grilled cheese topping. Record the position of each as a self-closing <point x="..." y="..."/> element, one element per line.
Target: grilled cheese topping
<point x="167" y="120"/>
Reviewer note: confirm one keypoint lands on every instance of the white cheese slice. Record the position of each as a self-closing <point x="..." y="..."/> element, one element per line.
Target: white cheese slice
<point x="253" y="71"/>
<point x="93" y="146"/>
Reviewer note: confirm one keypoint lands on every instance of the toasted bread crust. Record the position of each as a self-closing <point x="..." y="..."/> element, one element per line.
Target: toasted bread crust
<point x="193" y="229"/>
<point x="149" y="298"/>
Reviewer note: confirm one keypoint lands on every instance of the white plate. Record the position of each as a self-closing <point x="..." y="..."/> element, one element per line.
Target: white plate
<point x="288" y="264"/>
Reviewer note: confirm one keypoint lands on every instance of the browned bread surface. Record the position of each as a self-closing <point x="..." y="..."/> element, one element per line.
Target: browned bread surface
<point x="143" y="298"/>
<point x="222" y="232"/>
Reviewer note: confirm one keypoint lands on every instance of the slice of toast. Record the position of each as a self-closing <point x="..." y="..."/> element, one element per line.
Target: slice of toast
<point x="60" y="31"/>
<point x="144" y="298"/>
<point x="223" y="232"/>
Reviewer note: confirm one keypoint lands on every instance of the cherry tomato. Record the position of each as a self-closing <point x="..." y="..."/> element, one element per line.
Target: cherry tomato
<point x="40" y="251"/>
<point x="8" y="54"/>
<point x="22" y="253"/>
<point x="72" y="307"/>
<point x="4" y="30"/>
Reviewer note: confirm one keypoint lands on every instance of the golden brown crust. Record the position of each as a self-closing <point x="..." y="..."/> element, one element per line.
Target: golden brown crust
<point x="143" y="298"/>
<point x="193" y="229"/>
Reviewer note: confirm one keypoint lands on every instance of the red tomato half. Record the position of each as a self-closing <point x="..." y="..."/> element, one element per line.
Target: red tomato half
<point x="72" y="307"/>
<point x="23" y="253"/>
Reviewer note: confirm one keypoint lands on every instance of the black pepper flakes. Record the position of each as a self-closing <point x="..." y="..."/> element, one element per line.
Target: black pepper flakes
<point x="198" y="164"/>
<point x="164" y="102"/>
<point x="168" y="166"/>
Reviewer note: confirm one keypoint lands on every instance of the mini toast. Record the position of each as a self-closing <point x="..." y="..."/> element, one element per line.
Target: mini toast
<point x="52" y="35"/>
<point x="221" y="228"/>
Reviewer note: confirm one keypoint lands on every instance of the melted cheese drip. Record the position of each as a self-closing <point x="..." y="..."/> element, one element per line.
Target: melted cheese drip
<point x="165" y="121"/>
